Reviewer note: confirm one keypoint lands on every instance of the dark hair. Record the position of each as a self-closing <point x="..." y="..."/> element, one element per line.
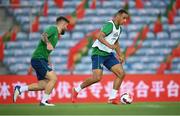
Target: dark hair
<point x="122" y="11"/>
<point x="61" y="18"/>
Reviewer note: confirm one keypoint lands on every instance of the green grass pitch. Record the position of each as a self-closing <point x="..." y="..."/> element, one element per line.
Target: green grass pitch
<point x="154" y="108"/>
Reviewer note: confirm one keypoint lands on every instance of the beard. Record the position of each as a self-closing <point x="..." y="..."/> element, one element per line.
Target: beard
<point x="63" y="32"/>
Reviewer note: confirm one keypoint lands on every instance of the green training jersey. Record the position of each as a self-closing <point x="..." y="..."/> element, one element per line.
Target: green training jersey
<point x="107" y="29"/>
<point x="41" y="50"/>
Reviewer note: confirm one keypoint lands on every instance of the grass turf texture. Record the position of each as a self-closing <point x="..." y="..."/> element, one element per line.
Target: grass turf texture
<point x="155" y="108"/>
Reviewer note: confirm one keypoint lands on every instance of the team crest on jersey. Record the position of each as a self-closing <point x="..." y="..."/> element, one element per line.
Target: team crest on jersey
<point x="115" y="35"/>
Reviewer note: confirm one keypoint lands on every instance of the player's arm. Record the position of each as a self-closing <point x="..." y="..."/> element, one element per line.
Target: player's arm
<point x="120" y="55"/>
<point x="49" y="60"/>
<point x="44" y="38"/>
<point x="105" y="31"/>
<point x="102" y="40"/>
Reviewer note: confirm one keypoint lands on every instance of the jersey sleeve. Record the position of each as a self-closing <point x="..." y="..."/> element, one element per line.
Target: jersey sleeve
<point x="50" y="30"/>
<point x="107" y="28"/>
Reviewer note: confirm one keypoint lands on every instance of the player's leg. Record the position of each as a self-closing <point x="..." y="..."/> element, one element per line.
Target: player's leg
<point x="39" y="69"/>
<point x="96" y="77"/>
<point x="32" y="87"/>
<point x="38" y="86"/>
<point x="52" y="79"/>
<point x="44" y="72"/>
<point x="120" y="74"/>
<point x="115" y="66"/>
<point x="97" y="71"/>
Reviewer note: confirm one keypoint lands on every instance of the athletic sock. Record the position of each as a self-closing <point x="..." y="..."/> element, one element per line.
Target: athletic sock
<point x="45" y="98"/>
<point x="78" y="88"/>
<point x="23" y="88"/>
<point x="113" y="94"/>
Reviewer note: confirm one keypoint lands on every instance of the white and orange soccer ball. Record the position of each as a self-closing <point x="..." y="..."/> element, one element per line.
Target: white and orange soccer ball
<point x="126" y="98"/>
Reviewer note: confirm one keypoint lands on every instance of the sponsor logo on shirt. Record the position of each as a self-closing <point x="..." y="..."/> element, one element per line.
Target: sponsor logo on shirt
<point x="115" y="35"/>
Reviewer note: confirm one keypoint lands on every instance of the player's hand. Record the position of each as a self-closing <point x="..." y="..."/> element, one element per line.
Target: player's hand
<point x="49" y="46"/>
<point x="44" y="35"/>
<point x="122" y="58"/>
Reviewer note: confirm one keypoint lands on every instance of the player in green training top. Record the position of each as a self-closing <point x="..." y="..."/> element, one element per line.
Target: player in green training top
<point x="40" y="62"/>
<point x="102" y="55"/>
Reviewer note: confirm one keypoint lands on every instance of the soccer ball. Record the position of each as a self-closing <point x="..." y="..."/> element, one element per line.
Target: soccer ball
<point x="126" y="98"/>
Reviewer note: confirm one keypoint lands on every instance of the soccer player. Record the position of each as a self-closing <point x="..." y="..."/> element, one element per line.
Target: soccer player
<point x="102" y="54"/>
<point x="40" y="62"/>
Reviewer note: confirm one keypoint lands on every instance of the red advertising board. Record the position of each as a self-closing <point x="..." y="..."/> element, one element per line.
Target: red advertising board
<point x="144" y="88"/>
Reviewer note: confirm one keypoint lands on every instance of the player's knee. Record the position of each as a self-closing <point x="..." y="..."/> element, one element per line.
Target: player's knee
<point x="52" y="76"/>
<point x="123" y="74"/>
<point x="120" y="74"/>
<point x="97" y="78"/>
<point x="41" y="87"/>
